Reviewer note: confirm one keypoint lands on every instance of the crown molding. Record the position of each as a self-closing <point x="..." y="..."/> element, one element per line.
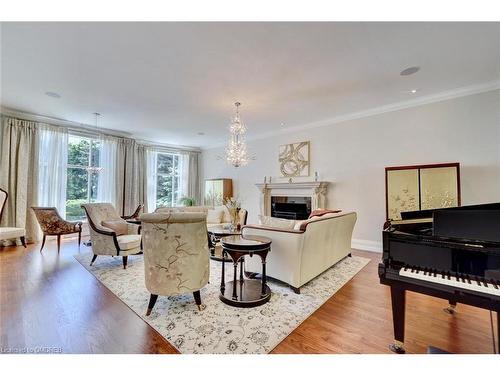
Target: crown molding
<point x="397" y="106"/>
<point x="81" y="127"/>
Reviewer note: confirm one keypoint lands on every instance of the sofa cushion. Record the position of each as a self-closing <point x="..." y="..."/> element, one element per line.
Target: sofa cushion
<point x="7" y="233"/>
<point x="120" y="227"/>
<point x="129" y="241"/>
<point x="276" y="222"/>
<point x="215" y="216"/>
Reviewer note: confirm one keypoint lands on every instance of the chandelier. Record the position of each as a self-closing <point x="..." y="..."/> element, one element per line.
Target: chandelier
<point x="236" y="150"/>
<point x="95" y="169"/>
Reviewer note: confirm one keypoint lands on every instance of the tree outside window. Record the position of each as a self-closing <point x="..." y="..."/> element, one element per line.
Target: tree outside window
<point x="167" y="180"/>
<point x="81" y="184"/>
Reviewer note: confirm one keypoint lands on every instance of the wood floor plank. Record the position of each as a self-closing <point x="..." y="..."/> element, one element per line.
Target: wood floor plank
<point x="50" y="300"/>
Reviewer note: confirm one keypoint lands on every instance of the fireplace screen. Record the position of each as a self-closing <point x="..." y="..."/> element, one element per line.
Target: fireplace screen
<point x="294" y="208"/>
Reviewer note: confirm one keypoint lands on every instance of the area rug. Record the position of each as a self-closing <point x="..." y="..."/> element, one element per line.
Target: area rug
<point x="221" y="328"/>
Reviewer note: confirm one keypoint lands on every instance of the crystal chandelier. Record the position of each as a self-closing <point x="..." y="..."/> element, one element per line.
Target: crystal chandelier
<point x="236" y="150"/>
<point x="92" y="169"/>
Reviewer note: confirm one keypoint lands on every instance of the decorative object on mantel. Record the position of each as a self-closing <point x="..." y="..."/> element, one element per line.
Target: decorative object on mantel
<point x="294" y="159"/>
<point x="317" y="190"/>
<point x="95" y="169"/>
<point x="316" y="176"/>
<point x="236" y="150"/>
<point x="421" y="187"/>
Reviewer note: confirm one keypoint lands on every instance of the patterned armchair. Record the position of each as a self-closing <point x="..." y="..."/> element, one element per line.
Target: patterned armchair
<point x="9" y="233"/>
<point x="110" y="234"/>
<point x="52" y="224"/>
<point x="176" y="257"/>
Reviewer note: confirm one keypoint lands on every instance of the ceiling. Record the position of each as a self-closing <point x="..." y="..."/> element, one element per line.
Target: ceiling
<point x="167" y="82"/>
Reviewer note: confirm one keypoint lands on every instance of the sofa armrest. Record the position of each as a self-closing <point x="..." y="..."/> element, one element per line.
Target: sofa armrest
<point x="265" y="228"/>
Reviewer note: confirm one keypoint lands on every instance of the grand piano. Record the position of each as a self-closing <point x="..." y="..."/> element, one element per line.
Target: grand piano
<point x="450" y="253"/>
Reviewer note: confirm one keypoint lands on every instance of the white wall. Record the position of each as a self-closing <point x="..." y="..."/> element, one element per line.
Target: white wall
<point x="352" y="155"/>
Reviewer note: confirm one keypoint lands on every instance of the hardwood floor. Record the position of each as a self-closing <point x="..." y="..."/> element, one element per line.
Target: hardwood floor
<point x="48" y="300"/>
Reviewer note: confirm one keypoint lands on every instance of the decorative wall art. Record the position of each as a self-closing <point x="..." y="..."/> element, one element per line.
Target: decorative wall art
<point x="421" y="187"/>
<point x="294" y="159"/>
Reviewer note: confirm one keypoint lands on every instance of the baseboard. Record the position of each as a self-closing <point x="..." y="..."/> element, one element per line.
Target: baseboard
<point x="367" y="245"/>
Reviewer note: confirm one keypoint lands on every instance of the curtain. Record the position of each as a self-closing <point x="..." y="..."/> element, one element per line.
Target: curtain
<point x="106" y="189"/>
<point x="19" y="173"/>
<point x="52" y="167"/>
<point x="151" y="161"/>
<point x="189" y="176"/>
<point x="131" y="177"/>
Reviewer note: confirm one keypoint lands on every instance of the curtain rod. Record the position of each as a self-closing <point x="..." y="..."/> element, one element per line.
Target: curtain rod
<point x="90" y="130"/>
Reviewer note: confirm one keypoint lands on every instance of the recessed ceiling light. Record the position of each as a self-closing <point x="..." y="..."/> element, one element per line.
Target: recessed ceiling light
<point x="201" y="133"/>
<point x="409" y="71"/>
<point x="413" y="91"/>
<point x="53" y="94"/>
<point x="282" y="124"/>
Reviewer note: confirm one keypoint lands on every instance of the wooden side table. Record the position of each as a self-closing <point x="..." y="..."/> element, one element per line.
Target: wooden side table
<point x="244" y="292"/>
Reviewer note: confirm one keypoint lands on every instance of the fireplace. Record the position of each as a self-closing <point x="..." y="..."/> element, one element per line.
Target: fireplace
<point x="289" y="194"/>
<point x="294" y="208"/>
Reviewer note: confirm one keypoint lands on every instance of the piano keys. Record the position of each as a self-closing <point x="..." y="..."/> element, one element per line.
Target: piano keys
<point x="451" y="253"/>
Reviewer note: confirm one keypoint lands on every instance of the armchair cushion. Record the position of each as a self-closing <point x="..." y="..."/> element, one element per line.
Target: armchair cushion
<point x="214" y="216"/>
<point x="7" y="233"/>
<point x="120" y="227"/>
<point x="129" y="241"/>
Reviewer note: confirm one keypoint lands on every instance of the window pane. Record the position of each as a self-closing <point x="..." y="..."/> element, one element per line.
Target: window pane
<point x="76" y="193"/>
<point x="175" y="190"/>
<point x="78" y="151"/>
<point x="165" y="163"/>
<point x="164" y="191"/>
<point x="95" y="146"/>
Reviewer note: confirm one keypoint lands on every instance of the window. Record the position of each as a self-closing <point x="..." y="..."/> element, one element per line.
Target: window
<point x="167" y="180"/>
<point x="81" y="183"/>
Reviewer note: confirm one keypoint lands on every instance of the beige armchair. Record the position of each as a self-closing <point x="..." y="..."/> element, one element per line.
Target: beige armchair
<point x="176" y="257"/>
<point x="10" y="233"/>
<point x="110" y="234"/>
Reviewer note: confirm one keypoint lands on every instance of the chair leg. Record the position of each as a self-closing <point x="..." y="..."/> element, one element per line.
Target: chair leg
<point x="152" y="301"/>
<point x="197" y="299"/>
<point x="23" y="241"/>
<point x="93" y="259"/>
<point x="58" y="243"/>
<point x="125" y="259"/>
<point x="79" y="238"/>
<point x="43" y="242"/>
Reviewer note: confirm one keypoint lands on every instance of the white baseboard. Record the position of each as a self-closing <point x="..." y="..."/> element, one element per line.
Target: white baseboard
<point x="367" y="245"/>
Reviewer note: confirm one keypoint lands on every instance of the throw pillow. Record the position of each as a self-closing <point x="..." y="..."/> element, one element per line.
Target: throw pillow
<point x="120" y="227"/>
<point x="276" y="222"/>
<point x="214" y="216"/>
<point x="323" y="211"/>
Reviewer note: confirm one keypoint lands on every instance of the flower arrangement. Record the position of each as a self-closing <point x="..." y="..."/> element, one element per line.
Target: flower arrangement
<point x="234" y="207"/>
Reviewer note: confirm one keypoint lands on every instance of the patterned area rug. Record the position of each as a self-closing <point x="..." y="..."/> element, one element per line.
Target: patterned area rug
<point x="221" y="328"/>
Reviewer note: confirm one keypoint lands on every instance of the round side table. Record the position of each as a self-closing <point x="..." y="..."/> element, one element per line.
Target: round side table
<point x="244" y="292"/>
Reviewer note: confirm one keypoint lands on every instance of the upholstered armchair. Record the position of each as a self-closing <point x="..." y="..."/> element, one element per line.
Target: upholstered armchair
<point x="9" y="233"/>
<point x="52" y="224"/>
<point x="176" y="258"/>
<point x="110" y="234"/>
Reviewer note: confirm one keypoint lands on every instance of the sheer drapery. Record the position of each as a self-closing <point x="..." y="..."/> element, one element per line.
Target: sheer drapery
<point x="189" y="176"/>
<point x="52" y="167"/>
<point x="151" y="179"/>
<point x="106" y="189"/>
<point x="19" y="173"/>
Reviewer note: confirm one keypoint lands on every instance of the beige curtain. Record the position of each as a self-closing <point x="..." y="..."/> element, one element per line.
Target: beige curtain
<point x="131" y="186"/>
<point x="194" y="178"/>
<point x="19" y="173"/>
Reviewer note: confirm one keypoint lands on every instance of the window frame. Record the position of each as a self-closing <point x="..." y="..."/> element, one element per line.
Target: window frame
<point x="172" y="176"/>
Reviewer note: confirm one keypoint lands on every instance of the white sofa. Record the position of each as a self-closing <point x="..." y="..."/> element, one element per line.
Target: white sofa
<point x="299" y="255"/>
<point x="226" y="217"/>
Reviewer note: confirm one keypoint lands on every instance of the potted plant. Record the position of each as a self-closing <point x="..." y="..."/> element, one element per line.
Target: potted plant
<point x="186" y="201"/>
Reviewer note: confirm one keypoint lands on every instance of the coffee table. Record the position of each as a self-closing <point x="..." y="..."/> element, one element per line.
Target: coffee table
<point x="244" y="292"/>
<point x="215" y="233"/>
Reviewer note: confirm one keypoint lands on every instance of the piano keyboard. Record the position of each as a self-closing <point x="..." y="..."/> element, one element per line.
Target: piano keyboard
<point x="476" y="284"/>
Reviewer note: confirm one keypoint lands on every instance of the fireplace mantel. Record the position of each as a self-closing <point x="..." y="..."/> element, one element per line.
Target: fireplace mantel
<point x="315" y="189"/>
